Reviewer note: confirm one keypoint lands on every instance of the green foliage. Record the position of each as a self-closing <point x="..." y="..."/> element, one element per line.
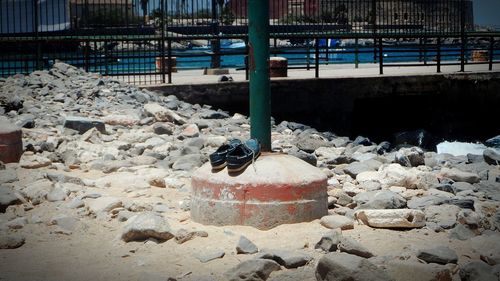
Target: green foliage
<point x="291" y="18"/>
<point x="227" y="17"/>
<point x="336" y="15"/>
<point x="204" y="13"/>
<point x="111" y="17"/>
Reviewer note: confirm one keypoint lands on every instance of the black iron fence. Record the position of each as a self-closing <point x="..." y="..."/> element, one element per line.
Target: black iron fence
<point x="138" y="39"/>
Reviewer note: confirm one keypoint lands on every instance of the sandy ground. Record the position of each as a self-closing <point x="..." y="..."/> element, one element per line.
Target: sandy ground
<point x="94" y="250"/>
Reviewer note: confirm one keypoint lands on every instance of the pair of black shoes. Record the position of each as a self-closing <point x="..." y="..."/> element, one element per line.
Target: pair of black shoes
<point x="236" y="155"/>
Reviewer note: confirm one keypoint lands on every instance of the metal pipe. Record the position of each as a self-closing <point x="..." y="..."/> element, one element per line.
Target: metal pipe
<point x="490" y="59"/>
<point x="381" y="56"/>
<point x="260" y="88"/>
<point x="438" y="55"/>
<point x="316" y="59"/>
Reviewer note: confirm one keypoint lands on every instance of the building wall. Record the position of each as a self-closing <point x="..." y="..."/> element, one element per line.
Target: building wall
<point x="17" y="16"/>
<point x="431" y="15"/>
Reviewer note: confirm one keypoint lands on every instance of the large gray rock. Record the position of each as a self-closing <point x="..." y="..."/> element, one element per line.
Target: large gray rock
<point x="37" y="191"/>
<point x="163" y="114"/>
<point x="147" y="225"/>
<point x="439" y="254"/>
<point x="304" y="273"/>
<point x="288" y="259"/>
<point x="380" y="199"/>
<point x="11" y="241"/>
<point x="424" y="201"/>
<point x="488" y="247"/>
<point x="351" y="246"/>
<point x="65" y="222"/>
<point x="491" y="157"/>
<point x="416" y="271"/>
<point x="103" y="204"/>
<point x="252" y="270"/>
<point x="207" y="255"/>
<point x="461" y="232"/>
<point x="8" y="176"/>
<point x="310" y="142"/>
<point x="410" y="157"/>
<point x="458" y="175"/>
<point x="356" y="168"/>
<point x="57" y="194"/>
<point x="443" y="215"/>
<point x="392" y="218"/>
<point x="477" y="271"/>
<point x="246" y="246"/>
<point x="337" y="221"/>
<point x="345" y="267"/>
<point x="329" y="241"/>
<point x="7" y="198"/>
<point x="34" y="162"/>
<point x="396" y="175"/>
<point x="188" y="162"/>
<point x="82" y="124"/>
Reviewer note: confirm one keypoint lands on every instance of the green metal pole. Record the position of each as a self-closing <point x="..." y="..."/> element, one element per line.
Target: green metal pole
<point x="260" y="89"/>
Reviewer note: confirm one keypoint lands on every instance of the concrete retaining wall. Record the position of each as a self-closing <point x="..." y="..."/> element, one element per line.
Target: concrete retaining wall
<point x="464" y="106"/>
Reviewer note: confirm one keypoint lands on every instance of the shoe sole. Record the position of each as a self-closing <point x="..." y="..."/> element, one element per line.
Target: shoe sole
<point x="218" y="167"/>
<point x="238" y="169"/>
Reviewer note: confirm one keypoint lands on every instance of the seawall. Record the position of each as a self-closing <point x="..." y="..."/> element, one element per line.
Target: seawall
<point x="464" y="106"/>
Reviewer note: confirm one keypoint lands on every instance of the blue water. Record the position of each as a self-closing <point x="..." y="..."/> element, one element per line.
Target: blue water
<point x="144" y="62"/>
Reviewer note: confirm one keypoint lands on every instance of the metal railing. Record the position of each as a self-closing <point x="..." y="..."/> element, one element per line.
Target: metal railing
<point x="138" y="39"/>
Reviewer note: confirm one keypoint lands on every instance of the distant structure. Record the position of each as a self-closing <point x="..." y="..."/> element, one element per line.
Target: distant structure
<point x="106" y="12"/>
<point x="438" y="15"/>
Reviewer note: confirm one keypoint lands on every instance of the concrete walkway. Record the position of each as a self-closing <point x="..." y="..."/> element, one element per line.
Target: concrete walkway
<point x="189" y="77"/>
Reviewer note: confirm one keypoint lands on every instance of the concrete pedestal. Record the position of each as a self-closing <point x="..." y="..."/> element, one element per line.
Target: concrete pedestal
<point x="11" y="143"/>
<point x="277" y="189"/>
<point x="278" y="67"/>
<point x="162" y="64"/>
<point x="480" y="55"/>
<point x="215" y="71"/>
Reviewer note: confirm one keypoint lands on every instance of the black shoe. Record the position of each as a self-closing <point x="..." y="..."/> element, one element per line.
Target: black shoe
<point x="243" y="155"/>
<point x="218" y="158"/>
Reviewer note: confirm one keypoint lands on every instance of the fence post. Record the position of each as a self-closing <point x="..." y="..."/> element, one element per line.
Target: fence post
<point x="36" y="20"/>
<point x="162" y="42"/>
<point x="374" y="26"/>
<point x="438" y="56"/>
<point x="462" y="35"/>
<point x="492" y="41"/>
<point x="420" y="49"/>
<point x="356" y="54"/>
<point x="308" y="52"/>
<point x="87" y="56"/>
<point x="316" y="58"/>
<point x="425" y="50"/>
<point x="327" y="51"/>
<point x="246" y="58"/>
<point x="260" y="86"/>
<point x="381" y="56"/>
<point x="169" y="51"/>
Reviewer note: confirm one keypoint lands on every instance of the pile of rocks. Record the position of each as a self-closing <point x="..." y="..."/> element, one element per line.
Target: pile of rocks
<point x="84" y="134"/>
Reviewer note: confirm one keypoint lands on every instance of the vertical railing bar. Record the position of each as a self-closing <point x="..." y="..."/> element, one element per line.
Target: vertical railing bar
<point x="490" y="66"/>
<point x="169" y="49"/>
<point x="316" y="60"/>
<point x="438" y="55"/>
<point x="381" y="55"/>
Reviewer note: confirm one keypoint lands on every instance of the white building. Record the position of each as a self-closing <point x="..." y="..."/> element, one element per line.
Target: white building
<point x="18" y="16"/>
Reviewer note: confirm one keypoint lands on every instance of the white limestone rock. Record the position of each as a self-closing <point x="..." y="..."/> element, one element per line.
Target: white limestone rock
<point x="391" y="218"/>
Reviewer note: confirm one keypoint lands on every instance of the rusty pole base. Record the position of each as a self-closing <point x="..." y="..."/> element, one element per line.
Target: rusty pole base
<point x="11" y="142"/>
<point x="277" y="189"/>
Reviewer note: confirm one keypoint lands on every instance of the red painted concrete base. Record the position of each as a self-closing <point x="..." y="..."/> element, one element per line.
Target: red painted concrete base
<point x="11" y="143"/>
<point x="278" y="189"/>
